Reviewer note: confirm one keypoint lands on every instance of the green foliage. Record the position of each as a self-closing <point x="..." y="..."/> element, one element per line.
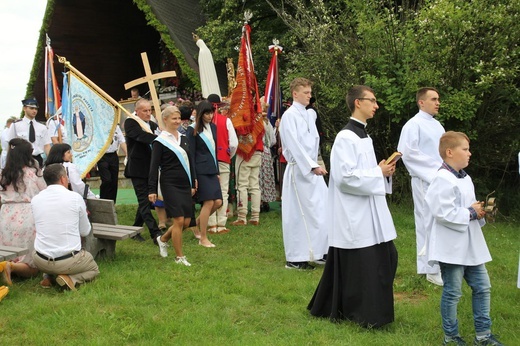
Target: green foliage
<point x="223" y="30"/>
<point x="396" y="47"/>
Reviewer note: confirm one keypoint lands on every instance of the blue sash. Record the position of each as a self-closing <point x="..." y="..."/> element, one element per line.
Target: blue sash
<point x="207" y="141"/>
<point x="176" y="149"/>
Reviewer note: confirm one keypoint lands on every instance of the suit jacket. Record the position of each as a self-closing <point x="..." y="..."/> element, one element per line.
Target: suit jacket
<point x="138" y="143"/>
<point x="201" y="158"/>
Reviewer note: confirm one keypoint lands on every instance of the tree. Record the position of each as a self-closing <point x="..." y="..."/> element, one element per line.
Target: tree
<point x="458" y="46"/>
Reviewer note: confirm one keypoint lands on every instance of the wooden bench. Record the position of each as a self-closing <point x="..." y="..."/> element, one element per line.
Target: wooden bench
<point x="105" y="230"/>
<point x="9" y="252"/>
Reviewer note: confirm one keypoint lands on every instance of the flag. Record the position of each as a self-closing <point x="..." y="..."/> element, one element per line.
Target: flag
<point x="52" y="93"/>
<point x="245" y="109"/>
<point x="273" y="92"/>
<point x="90" y="120"/>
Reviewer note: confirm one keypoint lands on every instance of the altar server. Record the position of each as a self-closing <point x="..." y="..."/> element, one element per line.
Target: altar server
<point x="457" y="243"/>
<point x="357" y="282"/>
<point x="419" y="143"/>
<point x="304" y="188"/>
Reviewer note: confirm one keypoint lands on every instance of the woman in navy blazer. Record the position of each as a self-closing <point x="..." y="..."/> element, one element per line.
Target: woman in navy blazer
<point x="202" y="137"/>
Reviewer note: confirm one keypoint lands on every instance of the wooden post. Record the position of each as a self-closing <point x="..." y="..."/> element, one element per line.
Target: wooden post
<point x="149" y="78"/>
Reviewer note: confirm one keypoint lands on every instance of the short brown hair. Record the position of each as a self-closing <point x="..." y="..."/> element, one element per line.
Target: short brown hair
<point x="421" y="92"/>
<point x="451" y="140"/>
<point x="53" y="173"/>
<point x="299" y="82"/>
<point x="356" y="92"/>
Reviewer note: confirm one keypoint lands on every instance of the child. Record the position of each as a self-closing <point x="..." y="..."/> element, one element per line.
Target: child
<point x="457" y="242"/>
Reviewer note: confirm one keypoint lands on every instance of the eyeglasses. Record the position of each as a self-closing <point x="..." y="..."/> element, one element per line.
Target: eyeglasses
<point x="371" y="100"/>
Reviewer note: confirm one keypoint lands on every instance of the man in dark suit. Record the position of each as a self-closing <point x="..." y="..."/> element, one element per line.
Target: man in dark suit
<point x="138" y="141"/>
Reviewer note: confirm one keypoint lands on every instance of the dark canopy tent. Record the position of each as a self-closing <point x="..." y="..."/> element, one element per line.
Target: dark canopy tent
<point x="104" y="39"/>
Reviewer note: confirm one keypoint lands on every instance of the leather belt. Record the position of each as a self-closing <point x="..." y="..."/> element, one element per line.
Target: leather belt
<point x="69" y="255"/>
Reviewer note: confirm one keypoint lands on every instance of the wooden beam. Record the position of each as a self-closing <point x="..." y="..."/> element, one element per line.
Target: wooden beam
<point x="149" y="78"/>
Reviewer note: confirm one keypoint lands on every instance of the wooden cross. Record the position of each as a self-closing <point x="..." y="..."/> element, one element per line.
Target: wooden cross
<point x="149" y="78"/>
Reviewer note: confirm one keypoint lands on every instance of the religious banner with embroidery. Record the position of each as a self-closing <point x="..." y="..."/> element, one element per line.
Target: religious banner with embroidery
<point x="245" y="109"/>
<point x="273" y="92"/>
<point x="90" y="119"/>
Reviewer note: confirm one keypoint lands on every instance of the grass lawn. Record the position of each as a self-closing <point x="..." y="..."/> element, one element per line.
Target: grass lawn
<point x="239" y="293"/>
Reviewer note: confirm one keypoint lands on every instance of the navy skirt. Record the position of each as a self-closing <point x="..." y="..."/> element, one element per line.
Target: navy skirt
<point x="208" y="187"/>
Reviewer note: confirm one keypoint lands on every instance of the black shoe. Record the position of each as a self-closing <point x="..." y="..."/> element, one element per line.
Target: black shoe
<point x="491" y="339"/>
<point x="299" y="265"/>
<point x="321" y="261"/>
<point x="155" y="239"/>
<point x="138" y="238"/>
<point x="454" y="340"/>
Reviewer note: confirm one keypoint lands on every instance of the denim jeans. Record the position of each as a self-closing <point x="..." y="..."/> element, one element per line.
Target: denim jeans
<point x="478" y="279"/>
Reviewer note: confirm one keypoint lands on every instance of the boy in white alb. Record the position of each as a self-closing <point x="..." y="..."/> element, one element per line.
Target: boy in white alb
<point x="457" y="243"/>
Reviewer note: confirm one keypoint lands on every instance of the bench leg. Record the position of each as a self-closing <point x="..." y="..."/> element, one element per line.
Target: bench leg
<point x="102" y="248"/>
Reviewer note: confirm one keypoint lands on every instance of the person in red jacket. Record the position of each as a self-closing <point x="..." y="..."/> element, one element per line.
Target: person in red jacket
<point x="227" y="143"/>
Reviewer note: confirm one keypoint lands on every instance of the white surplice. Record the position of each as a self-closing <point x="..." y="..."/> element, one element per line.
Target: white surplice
<point x="419" y="144"/>
<point x="454" y="239"/>
<point x="304" y="193"/>
<point x="357" y="213"/>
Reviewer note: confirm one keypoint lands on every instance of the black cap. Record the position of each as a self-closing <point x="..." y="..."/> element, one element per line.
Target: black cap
<point x="213" y="98"/>
<point x="30" y="103"/>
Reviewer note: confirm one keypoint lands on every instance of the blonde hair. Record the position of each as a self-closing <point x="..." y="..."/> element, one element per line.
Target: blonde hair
<point x="451" y="140"/>
<point x="299" y="82"/>
<point x="169" y="111"/>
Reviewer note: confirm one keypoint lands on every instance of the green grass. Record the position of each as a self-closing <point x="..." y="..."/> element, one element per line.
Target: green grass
<point x="240" y="294"/>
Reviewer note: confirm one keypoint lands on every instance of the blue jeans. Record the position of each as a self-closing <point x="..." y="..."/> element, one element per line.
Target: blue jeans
<point x="478" y="279"/>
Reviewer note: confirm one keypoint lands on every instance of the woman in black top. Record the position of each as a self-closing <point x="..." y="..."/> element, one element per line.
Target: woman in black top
<point x="170" y="155"/>
<point x="202" y="138"/>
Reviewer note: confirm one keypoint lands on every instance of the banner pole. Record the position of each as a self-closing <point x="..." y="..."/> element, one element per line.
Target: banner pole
<point x="68" y="65"/>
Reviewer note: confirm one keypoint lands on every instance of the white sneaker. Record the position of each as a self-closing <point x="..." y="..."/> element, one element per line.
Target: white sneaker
<point x="435" y="279"/>
<point x="163" y="247"/>
<point x="182" y="260"/>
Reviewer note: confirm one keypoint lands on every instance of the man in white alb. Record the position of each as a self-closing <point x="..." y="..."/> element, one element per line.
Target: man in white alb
<point x="304" y="189"/>
<point x="419" y="144"/>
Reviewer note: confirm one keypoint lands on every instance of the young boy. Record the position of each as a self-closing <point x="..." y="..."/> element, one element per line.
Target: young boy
<point x="457" y="242"/>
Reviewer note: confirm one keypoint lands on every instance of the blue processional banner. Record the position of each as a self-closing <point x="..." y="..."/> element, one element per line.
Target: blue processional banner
<point x="90" y="119"/>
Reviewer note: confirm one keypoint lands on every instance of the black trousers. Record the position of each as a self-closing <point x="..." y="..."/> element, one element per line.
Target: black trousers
<point x="144" y="213"/>
<point x="108" y="169"/>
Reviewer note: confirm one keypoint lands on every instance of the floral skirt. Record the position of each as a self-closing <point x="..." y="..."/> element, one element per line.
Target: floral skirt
<point x="17" y="229"/>
<point x="267" y="182"/>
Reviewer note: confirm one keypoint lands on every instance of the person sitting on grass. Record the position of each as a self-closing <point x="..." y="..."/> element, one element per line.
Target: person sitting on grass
<point x="457" y="243"/>
<point x="20" y="180"/>
<point x="60" y="216"/>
